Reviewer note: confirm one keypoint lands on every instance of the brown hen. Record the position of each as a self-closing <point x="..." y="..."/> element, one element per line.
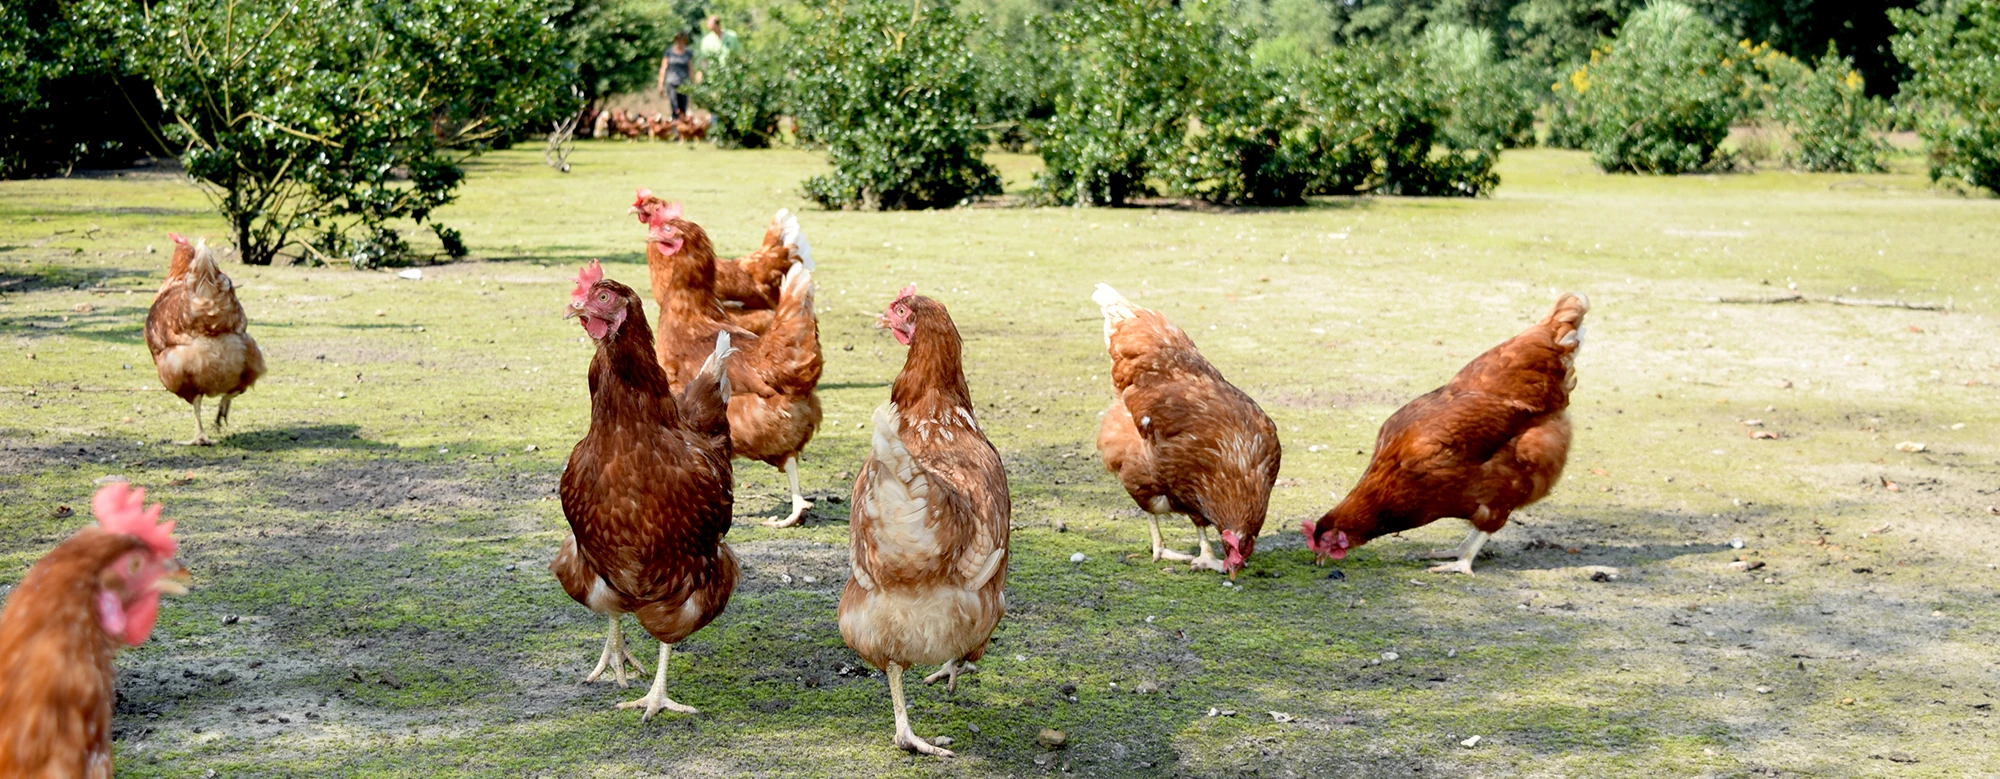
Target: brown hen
<point x="198" y="335"/>
<point x="92" y="595"/>
<point x="1183" y="439"/>
<point x="929" y="528"/>
<point x="1488" y="442"/>
<point x="775" y="410"/>
<point x="647" y="490"/>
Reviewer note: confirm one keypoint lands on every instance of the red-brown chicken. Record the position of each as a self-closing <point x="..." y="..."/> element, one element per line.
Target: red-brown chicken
<point x="1488" y="442"/>
<point x="748" y="284"/>
<point x="1183" y="439"/>
<point x="647" y="490"/>
<point x="199" y="337"/>
<point x="93" y="594"/>
<point x="775" y="410"/>
<point x="929" y="529"/>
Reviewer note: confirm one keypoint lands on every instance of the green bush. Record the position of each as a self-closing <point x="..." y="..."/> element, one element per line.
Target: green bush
<point x="1131" y="72"/>
<point x="1662" y="100"/>
<point x="613" y="45"/>
<point x="1359" y="119"/>
<point x="1017" y="82"/>
<point x="335" y="119"/>
<point x="1953" y="51"/>
<point x="1832" y="118"/>
<point x="747" y="94"/>
<point x="892" y="93"/>
<point x="1491" y="106"/>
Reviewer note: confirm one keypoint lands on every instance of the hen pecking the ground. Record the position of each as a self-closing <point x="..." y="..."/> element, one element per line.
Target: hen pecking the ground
<point x="1488" y="442"/>
<point x="1183" y="439"/>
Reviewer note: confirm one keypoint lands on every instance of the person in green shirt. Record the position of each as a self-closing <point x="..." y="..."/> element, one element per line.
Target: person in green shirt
<point x="716" y="46"/>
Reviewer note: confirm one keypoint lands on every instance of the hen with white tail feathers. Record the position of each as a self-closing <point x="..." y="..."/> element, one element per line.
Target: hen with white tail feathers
<point x="1181" y="438"/>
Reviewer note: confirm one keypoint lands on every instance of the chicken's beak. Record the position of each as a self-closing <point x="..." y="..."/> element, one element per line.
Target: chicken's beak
<point x="175" y="582"/>
<point x="573" y="312"/>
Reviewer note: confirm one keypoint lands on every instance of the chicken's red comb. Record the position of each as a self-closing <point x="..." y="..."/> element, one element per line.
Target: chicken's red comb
<point x="177" y="238"/>
<point x="907" y="292"/>
<point x="122" y="509"/>
<point x="585" y="278"/>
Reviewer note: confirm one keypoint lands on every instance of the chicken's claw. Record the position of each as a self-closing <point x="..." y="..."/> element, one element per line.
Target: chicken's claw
<point x="1455" y="566"/>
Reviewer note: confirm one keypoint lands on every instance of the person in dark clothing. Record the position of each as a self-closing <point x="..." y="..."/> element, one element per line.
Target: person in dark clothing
<point x="674" y="69"/>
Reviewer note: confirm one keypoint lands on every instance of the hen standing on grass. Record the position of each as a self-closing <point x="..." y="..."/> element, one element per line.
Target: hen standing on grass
<point x="1182" y="438"/>
<point x="745" y="285"/>
<point x="776" y="409"/>
<point x="199" y="338"/>
<point x="1490" y="441"/>
<point x="929" y="528"/>
<point x="647" y="491"/>
<point x="93" y="594"/>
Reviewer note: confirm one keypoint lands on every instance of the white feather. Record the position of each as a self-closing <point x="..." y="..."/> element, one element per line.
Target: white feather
<point x="795" y="237"/>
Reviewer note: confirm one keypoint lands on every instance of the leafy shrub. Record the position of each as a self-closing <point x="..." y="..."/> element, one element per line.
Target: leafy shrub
<point x="1832" y="118"/>
<point x="1017" y="82"/>
<point x="1954" y="89"/>
<point x="892" y="93"/>
<point x="1360" y="119"/>
<point x="61" y="103"/>
<point x="614" y="45"/>
<point x="1662" y="99"/>
<point x="335" y="118"/>
<point x="1131" y="73"/>
<point x="747" y="93"/>
<point x="1490" y="102"/>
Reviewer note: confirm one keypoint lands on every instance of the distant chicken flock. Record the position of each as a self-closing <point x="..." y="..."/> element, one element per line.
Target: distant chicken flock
<point x="732" y="372"/>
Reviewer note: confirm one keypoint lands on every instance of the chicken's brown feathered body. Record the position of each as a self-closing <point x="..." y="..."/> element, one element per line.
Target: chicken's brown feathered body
<point x="776" y="408"/>
<point x="1181" y="438"/>
<point x="1488" y="442"/>
<point x="930" y="520"/>
<point x="57" y="695"/>
<point x="76" y="607"/>
<point x="199" y="336"/>
<point x="647" y="492"/>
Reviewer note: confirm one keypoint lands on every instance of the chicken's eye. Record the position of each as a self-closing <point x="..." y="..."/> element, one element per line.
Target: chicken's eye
<point x="603" y="297"/>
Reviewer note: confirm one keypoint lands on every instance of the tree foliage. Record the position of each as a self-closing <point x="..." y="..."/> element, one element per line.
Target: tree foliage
<point x="892" y="92"/>
<point x="1953" y="50"/>
<point x="1131" y="74"/>
<point x="1661" y="99"/>
<point x="320" y="124"/>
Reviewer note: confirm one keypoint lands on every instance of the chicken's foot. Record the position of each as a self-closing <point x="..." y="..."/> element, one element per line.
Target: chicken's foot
<point x="1206" y="560"/>
<point x="615" y="656"/>
<point x="950" y="673"/>
<point x="1160" y="550"/>
<point x="200" y="432"/>
<point x="1455" y="553"/>
<point x="656" y="698"/>
<point x="905" y="738"/>
<point x="1466" y="554"/>
<point x="799" y="502"/>
<point x="222" y="412"/>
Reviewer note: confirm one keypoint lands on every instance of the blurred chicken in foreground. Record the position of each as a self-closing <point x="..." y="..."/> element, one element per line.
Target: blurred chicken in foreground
<point x="92" y="595"/>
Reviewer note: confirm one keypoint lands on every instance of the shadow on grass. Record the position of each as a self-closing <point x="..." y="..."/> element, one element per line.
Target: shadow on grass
<point x="303" y="437"/>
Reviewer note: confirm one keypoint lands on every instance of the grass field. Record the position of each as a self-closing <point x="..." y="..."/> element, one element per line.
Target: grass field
<point x="369" y="542"/>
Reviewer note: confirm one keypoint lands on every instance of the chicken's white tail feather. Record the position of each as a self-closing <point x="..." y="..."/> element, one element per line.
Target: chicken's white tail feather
<point x="795" y="237"/>
<point x="798" y="284"/>
<point x="1115" y="307"/>
<point x="718" y="362"/>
